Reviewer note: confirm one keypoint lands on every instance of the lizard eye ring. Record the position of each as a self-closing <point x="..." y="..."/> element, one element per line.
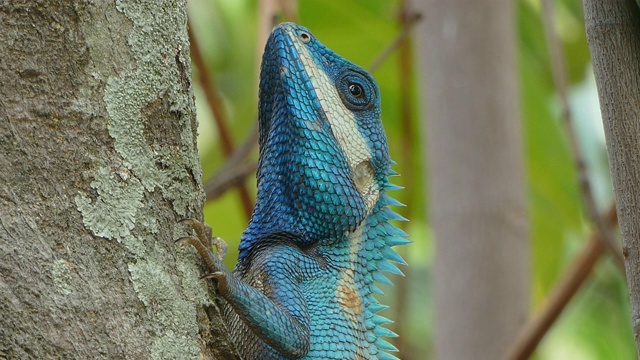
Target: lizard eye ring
<point x="356" y="90"/>
<point x="304" y="36"/>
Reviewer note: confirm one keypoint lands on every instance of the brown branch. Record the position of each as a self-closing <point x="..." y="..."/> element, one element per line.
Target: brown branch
<point x="572" y="279"/>
<point x="223" y="181"/>
<point x="213" y="100"/>
<point x="411" y="19"/>
<point x="560" y="80"/>
<point x="234" y="171"/>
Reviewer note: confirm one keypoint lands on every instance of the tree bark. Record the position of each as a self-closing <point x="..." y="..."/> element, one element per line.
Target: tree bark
<point x="98" y="160"/>
<point x="476" y="174"/>
<point x="613" y="33"/>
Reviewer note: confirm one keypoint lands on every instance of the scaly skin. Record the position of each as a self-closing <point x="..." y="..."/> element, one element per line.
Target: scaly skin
<point x="319" y="236"/>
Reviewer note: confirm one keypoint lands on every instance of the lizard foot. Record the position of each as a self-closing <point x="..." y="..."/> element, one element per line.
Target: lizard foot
<point x="203" y="242"/>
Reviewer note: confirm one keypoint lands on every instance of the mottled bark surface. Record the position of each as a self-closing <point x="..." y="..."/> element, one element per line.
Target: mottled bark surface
<point x="478" y="206"/>
<point x="97" y="162"/>
<point x="613" y="33"/>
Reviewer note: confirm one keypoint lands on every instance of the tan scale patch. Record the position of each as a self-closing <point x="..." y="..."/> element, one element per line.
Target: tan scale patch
<point x="349" y="299"/>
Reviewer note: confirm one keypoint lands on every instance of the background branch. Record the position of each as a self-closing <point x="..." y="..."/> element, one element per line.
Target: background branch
<point x="568" y="285"/>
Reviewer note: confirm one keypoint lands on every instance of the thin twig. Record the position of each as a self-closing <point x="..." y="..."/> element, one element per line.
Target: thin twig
<point x="408" y="25"/>
<point x="213" y="100"/>
<point x="225" y="180"/>
<point x="560" y="80"/>
<point x="564" y="290"/>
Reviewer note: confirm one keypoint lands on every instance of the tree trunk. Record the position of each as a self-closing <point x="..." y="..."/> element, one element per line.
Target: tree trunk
<point x="477" y="183"/>
<point x="613" y="33"/>
<point x="97" y="162"/>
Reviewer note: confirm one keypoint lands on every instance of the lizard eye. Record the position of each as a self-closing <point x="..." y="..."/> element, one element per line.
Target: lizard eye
<point x="356" y="90"/>
<point x="304" y="36"/>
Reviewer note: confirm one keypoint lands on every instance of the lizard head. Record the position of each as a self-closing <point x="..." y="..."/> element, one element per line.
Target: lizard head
<point x="323" y="151"/>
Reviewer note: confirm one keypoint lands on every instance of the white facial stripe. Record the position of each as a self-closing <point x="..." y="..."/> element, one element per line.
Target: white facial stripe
<point x="342" y="121"/>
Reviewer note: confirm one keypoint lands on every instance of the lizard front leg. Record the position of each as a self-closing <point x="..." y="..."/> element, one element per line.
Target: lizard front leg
<point x="279" y="318"/>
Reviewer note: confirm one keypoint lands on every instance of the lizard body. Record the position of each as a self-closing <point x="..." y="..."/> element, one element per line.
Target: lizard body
<point x="319" y="236"/>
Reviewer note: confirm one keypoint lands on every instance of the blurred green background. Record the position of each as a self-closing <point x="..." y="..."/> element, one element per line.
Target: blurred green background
<point x="596" y="324"/>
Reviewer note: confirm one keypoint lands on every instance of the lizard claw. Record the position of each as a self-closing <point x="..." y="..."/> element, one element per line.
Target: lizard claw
<point x="221" y="280"/>
<point x="214" y="275"/>
<point x="187" y="239"/>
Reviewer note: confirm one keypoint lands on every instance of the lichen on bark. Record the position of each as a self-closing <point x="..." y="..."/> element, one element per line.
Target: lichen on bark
<point x="117" y="209"/>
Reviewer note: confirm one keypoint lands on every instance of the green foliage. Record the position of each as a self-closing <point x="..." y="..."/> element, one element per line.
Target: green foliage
<point x="553" y="189"/>
<point x="596" y="323"/>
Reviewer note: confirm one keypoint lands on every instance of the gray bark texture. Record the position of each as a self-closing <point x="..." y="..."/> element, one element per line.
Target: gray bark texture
<point x="478" y="207"/>
<point x="613" y="33"/>
<point x="98" y="161"/>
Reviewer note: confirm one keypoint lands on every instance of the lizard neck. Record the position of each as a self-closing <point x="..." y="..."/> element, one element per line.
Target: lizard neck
<point x="294" y="196"/>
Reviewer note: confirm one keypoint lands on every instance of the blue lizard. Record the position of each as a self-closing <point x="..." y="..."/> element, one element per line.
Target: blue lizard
<point x="320" y="234"/>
